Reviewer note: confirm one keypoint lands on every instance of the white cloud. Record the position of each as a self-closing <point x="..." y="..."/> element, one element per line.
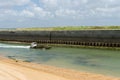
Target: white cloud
<point x="7" y="13"/>
<point x="67" y="13"/>
<point x="108" y="11"/>
<point x="63" y="3"/>
<point x="26" y="13"/>
<point x="58" y="10"/>
<point x="6" y="3"/>
<point x="64" y="8"/>
<point x="39" y="12"/>
<point x="31" y="11"/>
<point x="50" y="3"/>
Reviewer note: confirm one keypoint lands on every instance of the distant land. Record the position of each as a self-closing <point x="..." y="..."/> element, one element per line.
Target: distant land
<point x="59" y="28"/>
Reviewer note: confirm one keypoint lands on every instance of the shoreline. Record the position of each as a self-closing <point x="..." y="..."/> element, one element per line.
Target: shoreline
<point x="64" y="45"/>
<point x="52" y="72"/>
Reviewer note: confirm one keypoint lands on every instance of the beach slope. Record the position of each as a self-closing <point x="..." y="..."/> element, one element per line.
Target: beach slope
<point x="18" y="70"/>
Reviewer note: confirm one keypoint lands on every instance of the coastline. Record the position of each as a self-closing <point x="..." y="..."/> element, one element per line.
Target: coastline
<point x="19" y="70"/>
<point x="64" y="45"/>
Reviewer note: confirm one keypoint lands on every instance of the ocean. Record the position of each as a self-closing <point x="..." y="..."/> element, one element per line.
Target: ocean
<point x="101" y="61"/>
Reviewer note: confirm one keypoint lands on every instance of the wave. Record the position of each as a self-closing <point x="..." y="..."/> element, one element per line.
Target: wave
<point x="12" y="46"/>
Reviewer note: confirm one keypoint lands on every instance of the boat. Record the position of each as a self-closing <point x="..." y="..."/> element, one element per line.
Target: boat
<point x="34" y="45"/>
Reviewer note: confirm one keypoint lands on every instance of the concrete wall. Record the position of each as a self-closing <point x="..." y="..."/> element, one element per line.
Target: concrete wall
<point x="96" y="35"/>
<point x="110" y="38"/>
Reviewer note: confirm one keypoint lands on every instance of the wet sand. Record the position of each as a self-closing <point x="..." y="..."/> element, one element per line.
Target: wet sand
<point x="19" y="70"/>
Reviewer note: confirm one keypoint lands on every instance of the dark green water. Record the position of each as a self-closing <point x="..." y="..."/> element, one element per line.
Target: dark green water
<point x="93" y="60"/>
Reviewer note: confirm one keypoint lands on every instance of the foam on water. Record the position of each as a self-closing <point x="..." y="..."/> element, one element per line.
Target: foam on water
<point x="12" y="46"/>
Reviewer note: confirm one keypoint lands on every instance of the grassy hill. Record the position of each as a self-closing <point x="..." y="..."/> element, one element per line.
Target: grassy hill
<point x="71" y="28"/>
<point x="63" y="28"/>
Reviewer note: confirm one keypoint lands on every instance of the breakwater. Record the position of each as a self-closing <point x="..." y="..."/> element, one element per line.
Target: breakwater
<point x="107" y="38"/>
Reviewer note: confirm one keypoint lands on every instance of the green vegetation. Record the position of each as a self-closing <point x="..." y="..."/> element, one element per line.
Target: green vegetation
<point x="63" y="28"/>
<point x="71" y="28"/>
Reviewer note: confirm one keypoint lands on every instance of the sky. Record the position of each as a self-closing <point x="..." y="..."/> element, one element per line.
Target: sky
<point x="51" y="13"/>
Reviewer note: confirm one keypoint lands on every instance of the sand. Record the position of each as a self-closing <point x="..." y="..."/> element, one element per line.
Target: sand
<point x="19" y="70"/>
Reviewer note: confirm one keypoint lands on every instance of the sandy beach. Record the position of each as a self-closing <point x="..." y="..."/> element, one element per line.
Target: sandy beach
<point x="19" y="70"/>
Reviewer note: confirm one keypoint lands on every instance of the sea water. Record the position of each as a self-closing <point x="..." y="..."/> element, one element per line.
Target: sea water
<point x="101" y="61"/>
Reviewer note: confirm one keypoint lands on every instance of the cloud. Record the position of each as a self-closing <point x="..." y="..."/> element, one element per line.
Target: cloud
<point x="49" y="3"/>
<point x="40" y="12"/>
<point x="4" y="3"/>
<point x="62" y="8"/>
<point x="30" y="11"/>
<point x="59" y="11"/>
<point x="68" y="13"/>
<point x="81" y="8"/>
<point x="26" y="13"/>
<point x="62" y="3"/>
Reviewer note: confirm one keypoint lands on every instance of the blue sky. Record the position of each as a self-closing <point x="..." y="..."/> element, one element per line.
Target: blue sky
<point x="48" y="13"/>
